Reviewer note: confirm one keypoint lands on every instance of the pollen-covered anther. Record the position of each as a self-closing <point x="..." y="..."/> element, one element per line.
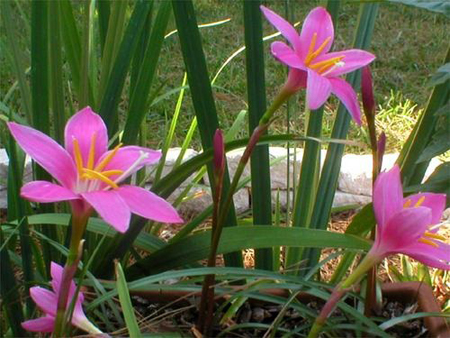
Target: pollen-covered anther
<point x="428" y="242"/>
<point x="92" y="174"/>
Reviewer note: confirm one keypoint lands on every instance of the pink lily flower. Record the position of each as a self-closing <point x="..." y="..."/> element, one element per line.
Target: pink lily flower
<point x="47" y="301"/>
<point x="408" y="225"/>
<point x="89" y="175"/>
<point x="312" y="66"/>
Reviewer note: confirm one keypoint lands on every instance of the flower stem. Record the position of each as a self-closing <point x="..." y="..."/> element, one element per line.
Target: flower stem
<point x="79" y="221"/>
<point x="340" y="290"/>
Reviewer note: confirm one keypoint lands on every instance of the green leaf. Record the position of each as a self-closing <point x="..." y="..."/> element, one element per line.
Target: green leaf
<point x="420" y="137"/>
<point x="117" y="75"/>
<point x="201" y="93"/>
<point x="125" y="302"/>
<point x="256" y="91"/>
<point x="440" y="142"/>
<point x="442" y="75"/>
<point x="196" y="247"/>
<point x="139" y="96"/>
<point x="442" y="6"/>
<point x="397" y="320"/>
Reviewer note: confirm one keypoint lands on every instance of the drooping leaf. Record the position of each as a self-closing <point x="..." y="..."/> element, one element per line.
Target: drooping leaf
<point x="438" y="6"/>
<point x="442" y="75"/>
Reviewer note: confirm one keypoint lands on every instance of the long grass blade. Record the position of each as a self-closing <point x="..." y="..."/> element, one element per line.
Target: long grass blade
<point x="139" y="96"/>
<point x="40" y="97"/>
<point x="421" y="136"/>
<point x="56" y="74"/>
<point x="201" y="94"/>
<point x="17" y="58"/>
<point x="256" y="90"/>
<point x="103" y="10"/>
<point x="125" y="301"/>
<point x="117" y="75"/>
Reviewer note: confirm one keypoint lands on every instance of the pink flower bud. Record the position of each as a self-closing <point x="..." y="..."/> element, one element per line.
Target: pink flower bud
<point x="367" y="92"/>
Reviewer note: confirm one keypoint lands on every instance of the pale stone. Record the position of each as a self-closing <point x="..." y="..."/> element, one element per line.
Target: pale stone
<point x="4" y="163"/>
<point x="171" y="158"/>
<point x="199" y="198"/>
<point x="355" y="176"/>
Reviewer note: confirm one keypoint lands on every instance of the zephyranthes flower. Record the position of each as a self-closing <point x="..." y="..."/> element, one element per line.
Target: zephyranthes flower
<point x="89" y="175"/>
<point x="408" y="225"/>
<point x="311" y="64"/>
<point x="47" y="301"/>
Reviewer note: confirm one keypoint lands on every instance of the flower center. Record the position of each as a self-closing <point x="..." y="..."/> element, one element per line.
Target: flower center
<point x="322" y="67"/>
<point x="88" y="172"/>
<point x="428" y="236"/>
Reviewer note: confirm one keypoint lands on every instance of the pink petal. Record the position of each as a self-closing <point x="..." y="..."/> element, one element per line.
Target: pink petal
<point x="318" y="21"/>
<point x="353" y="59"/>
<point x="46" y="152"/>
<point x="285" y="28"/>
<point x="111" y="207"/>
<point x="286" y="55"/>
<point x="45" y="299"/>
<point x="82" y="126"/>
<point x="146" y="204"/>
<point x="387" y="195"/>
<point x="436" y="257"/>
<point x="347" y="95"/>
<point x="43" y="324"/>
<point x="46" y="192"/>
<point x="436" y="202"/>
<point x="127" y="156"/>
<point x="56" y="272"/>
<point x="318" y="90"/>
<point x="402" y="229"/>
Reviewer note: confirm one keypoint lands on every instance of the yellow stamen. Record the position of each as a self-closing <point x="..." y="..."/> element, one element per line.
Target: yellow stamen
<point x="427" y="241"/>
<point x="407" y="203"/>
<point x="112" y="172"/>
<point x="320" y="49"/>
<point x="108" y="158"/>
<point x="90" y="163"/>
<point x="324" y="68"/>
<point x="435" y="236"/>
<point x="311" y="49"/>
<point x="419" y="202"/>
<point x="96" y="175"/>
<point x="78" y="157"/>
<point x="331" y="62"/>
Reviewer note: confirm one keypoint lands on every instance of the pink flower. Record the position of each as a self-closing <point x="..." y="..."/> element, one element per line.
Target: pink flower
<point x="408" y="225"/>
<point x="312" y="66"/>
<point x="89" y="175"/>
<point x="47" y="301"/>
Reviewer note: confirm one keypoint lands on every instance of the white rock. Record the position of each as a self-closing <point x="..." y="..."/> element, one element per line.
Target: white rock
<point x="171" y="158"/>
<point x="341" y="199"/>
<point x="4" y="163"/>
<point x="355" y="176"/>
<point x="199" y="198"/>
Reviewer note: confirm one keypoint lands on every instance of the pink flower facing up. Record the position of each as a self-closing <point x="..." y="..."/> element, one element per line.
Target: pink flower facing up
<point x="89" y="175"/>
<point x="312" y="66"/>
<point x="47" y="301"/>
<point x="408" y="225"/>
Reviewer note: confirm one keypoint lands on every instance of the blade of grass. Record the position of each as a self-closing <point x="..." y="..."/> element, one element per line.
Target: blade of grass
<point x="40" y="98"/>
<point x="10" y="295"/>
<point x="103" y="11"/>
<point x="196" y="247"/>
<point x="201" y="94"/>
<point x="421" y="136"/>
<point x="116" y="79"/>
<point x="169" y="134"/>
<point x="113" y="37"/>
<point x="56" y="74"/>
<point x="139" y="97"/>
<point x="17" y="58"/>
<point x="125" y="302"/>
<point x="256" y="91"/>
